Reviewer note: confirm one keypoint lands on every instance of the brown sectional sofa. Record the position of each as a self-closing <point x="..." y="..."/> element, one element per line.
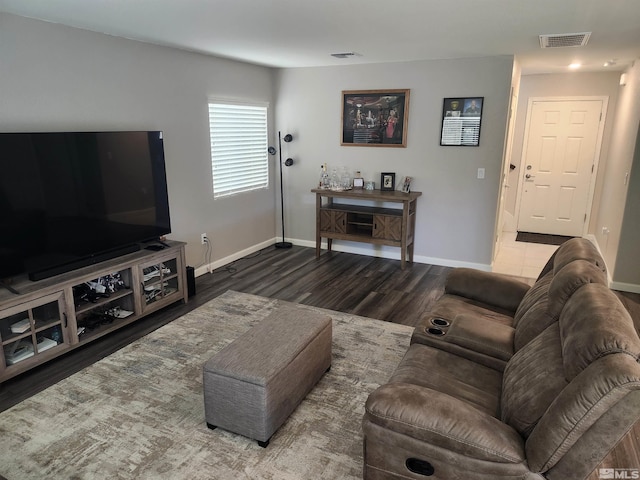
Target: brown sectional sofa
<point x="513" y="381"/>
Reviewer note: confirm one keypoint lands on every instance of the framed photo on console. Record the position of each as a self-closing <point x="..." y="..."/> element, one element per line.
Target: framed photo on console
<point x="375" y="118"/>
<point x="387" y="181"/>
<point x="461" y="118"/>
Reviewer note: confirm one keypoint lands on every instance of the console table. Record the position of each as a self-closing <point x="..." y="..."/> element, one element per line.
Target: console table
<point x="367" y="223"/>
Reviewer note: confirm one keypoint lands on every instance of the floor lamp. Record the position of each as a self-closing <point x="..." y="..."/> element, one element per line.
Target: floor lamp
<point x="288" y="162"/>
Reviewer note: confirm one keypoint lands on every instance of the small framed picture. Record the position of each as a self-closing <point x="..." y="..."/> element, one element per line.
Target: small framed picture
<point x="406" y="185"/>
<point x="387" y="181"/>
<point x="358" y="182"/>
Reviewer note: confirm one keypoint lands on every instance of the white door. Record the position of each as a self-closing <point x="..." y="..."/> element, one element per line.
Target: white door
<point x="559" y="157"/>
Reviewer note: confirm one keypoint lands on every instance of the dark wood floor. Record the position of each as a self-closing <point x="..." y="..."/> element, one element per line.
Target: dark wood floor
<point x="357" y="284"/>
<point x="360" y="285"/>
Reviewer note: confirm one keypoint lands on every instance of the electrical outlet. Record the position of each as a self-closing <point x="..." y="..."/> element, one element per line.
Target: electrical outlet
<point x="481" y="173"/>
<point x="204" y="239"/>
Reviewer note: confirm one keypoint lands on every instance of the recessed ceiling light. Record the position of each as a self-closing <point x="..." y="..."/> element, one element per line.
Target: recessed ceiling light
<point x="573" y="66"/>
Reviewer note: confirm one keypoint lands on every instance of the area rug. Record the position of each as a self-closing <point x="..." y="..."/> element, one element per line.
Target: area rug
<point x="543" y="238"/>
<point x="139" y="413"/>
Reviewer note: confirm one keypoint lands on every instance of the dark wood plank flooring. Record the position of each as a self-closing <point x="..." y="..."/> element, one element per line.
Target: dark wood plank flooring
<point x="356" y="284"/>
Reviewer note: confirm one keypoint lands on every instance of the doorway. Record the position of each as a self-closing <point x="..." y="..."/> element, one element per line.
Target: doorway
<point x="560" y="158"/>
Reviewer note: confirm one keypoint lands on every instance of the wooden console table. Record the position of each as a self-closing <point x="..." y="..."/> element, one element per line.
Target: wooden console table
<point x="370" y="224"/>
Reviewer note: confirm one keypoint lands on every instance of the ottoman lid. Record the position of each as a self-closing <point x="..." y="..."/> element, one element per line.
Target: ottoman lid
<point x="265" y="349"/>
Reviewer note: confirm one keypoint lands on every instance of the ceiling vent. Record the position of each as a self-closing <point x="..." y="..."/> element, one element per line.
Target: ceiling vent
<point x="564" y="40"/>
<point x="346" y="55"/>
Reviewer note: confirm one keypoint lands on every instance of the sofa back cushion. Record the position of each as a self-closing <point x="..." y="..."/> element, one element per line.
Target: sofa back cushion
<point x="597" y="392"/>
<point x="532" y="379"/>
<point x="594" y="324"/>
<point x="599" y="361"/>
<point x="550" y="296"/>
<point x="577" y="249"/>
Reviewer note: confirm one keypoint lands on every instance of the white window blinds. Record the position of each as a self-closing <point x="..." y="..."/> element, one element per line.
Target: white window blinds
<point x="238" y="148"/>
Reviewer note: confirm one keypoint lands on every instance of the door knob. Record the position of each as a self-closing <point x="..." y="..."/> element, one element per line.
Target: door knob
<point x="528" y="176"/>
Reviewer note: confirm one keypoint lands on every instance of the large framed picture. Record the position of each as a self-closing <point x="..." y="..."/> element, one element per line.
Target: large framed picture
<point x="461" y="119"/>
<point x="375" y="118"/>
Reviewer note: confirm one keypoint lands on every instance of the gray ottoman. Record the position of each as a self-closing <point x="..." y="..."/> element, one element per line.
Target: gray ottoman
<point x="253" y="384"/>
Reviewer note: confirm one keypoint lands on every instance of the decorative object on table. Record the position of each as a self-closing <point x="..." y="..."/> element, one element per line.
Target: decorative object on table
<point x="324" y="182"/>
<point x="358" y="181"/>
<point x="288" y="162"/>
<point x="346" y="182"/>
<point x="375" y="118"/>
<point x="387" y="181"/>
<point x="461" y="121"/>
<point x="406" y="185"/>
<point x="369" y="185"/>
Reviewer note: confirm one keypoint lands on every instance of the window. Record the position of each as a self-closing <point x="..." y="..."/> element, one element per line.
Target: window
<point x="238" y="148"/>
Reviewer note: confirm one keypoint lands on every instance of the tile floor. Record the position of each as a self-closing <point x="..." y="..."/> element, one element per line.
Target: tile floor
<point x="521" y="259"/>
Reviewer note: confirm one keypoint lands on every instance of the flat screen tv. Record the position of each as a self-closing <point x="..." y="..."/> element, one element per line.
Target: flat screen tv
<point x="71" y="199"/>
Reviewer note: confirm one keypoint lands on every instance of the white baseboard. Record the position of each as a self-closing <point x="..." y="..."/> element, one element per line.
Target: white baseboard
<point x="386" y="252"/>
<point x="392" y="253"/>
<point x="624" y="287"/>
<point x="233" y="257"/>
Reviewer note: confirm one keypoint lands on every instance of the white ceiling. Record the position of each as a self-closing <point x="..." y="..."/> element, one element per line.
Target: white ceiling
<point x="303" y="33"/>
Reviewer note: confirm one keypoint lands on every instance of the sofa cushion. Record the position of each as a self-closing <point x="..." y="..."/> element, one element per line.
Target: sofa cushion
<point x="532" y="380"/>
<point x="458" y="377"/>
<point x="437" y="419"/>
<point x="593" y="324"/>
<point x="548" y="297"/>
<point x="536" y="294"/>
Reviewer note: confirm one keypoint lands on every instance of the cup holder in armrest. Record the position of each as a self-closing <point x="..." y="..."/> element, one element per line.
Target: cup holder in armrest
<point x="440" y="322"/>
<point x="435" y="331"/>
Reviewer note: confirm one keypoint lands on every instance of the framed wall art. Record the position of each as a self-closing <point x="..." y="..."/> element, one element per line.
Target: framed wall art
<point x="375" y="118"/>
<point x="461" y="118"/>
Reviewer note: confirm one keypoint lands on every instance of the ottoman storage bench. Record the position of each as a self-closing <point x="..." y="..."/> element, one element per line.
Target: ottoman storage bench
<point x="253" y="384"/>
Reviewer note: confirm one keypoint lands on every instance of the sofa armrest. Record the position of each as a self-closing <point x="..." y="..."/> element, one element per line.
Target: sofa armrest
<point x="487" y="287"/>
<point x="439" y="419"/>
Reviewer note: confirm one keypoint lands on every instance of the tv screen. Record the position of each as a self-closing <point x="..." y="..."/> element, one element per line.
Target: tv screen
<point x="69" y="199"/>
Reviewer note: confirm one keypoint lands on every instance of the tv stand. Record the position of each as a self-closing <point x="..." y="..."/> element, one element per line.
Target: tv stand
<point x="10" y="288"/>
<point x="44" y="319"/>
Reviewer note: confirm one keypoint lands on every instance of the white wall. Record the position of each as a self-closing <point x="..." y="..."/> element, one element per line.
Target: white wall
<point x="619" y="209"/>
<point x="56" y="78"/>
<point x="457" y="212"/>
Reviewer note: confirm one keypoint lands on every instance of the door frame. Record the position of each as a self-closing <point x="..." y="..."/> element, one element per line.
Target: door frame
<point x="596" y="160"/>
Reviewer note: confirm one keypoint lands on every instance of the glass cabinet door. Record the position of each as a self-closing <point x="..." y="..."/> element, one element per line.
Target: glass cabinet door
<point x="30" y="329"/>
<point x="159" y="283"/>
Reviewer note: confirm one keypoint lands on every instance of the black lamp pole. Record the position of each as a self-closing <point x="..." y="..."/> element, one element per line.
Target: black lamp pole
<point x="288" y="163"/>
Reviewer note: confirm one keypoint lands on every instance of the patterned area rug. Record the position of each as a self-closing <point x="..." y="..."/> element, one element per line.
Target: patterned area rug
<point x="139" y="413"/>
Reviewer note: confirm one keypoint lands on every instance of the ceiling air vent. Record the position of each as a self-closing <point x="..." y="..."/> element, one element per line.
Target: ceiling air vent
<point x="564" y="40"/>
<point x="345" y="55"/>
